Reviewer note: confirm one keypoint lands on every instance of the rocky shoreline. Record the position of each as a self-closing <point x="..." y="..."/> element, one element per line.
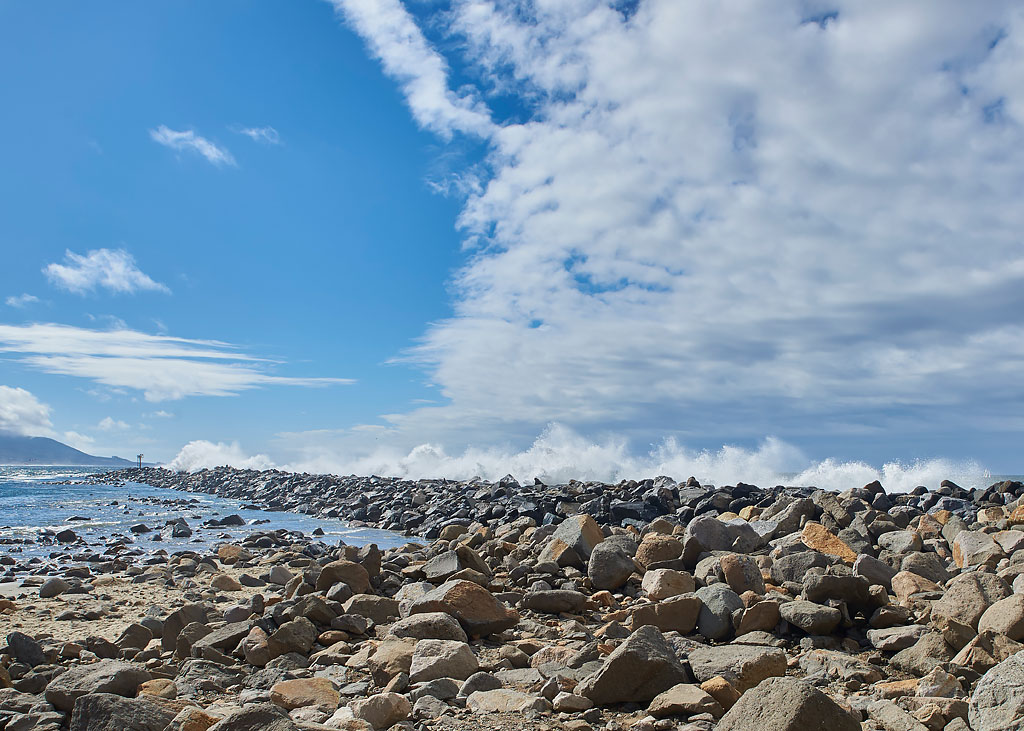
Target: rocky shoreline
<point x="649" y="605"/>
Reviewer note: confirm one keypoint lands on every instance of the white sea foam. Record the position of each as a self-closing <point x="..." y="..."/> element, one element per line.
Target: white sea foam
<point x="201" y="454"/>
<point x="560" y="454"/>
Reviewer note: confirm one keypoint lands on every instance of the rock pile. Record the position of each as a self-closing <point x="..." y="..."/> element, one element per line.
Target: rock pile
<point x="648" y="605"/>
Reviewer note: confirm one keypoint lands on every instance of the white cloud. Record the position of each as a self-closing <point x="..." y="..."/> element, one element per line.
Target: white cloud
<point x="189" y="140"/>
<point x="160" y="366"/>
<point x="395" y="39"/>
<point x="161" y="414"/>
<point x="111" y="269"/>
<point x="725" y="218"/>
<point x="267" y="135"/>
<point x="81" y="442"/>
<point x="111" y="424"/>
<point x="23" y="414"/>
<point x="21" y="301"/>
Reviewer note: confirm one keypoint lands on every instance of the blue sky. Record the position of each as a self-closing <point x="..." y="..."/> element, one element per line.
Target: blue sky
<point x="326" y="234"/>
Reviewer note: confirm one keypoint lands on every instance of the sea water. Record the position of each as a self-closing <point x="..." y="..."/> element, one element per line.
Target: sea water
<point x="33" y="501"/>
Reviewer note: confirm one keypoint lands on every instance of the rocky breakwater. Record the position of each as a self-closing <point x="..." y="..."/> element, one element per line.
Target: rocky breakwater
<point x="758" y="609"/>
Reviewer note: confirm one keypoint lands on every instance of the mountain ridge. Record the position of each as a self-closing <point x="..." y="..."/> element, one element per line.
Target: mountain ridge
<point x="18" y="451"/>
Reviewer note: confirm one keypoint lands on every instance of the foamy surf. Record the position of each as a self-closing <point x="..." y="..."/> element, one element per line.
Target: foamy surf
<point x="560" y="454"/>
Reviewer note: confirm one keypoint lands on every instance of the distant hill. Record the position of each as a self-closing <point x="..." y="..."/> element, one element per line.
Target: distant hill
<point x="15" y="450"/>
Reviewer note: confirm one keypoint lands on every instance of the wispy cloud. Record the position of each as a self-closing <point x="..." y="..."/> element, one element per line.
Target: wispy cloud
<point x="21" y="301"/>
<point x="22" y="413"/>
<point x="188" y="140"/>
<point x="160" y="366"/>
<point x="111" y="269"/>
<point x="266" y="135"/>
<point x="393" y="37"/>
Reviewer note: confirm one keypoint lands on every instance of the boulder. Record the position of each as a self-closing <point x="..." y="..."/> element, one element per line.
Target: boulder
<point x="609" y="567"/>
<point x="555" y="601"/>
<point x="655" y="548"/>
<point x="997" y="703"/>
<point x="432" y="659"/>
<point x="974" y="548"/>
<point x="678" y="614"/>
<point x="968" y="595"/>
<point x="684" y="699"/>
<point x="52" y="587"/>
<point x="382" y="710"/>
<point x="176" y="622"/>
<point x="744" y="666"/>
<point x="429" y="626"/>
<point x="105" y="676"/>
<point x="818" y="538"/>
<point x="302" y="692"/>
<point x="349" y="572"/>
<point x="742" y="573"/>
<point x="504" y="700"/>
<point x="473" y="606"/>
<point x="719" y="603"/>
<point x="110" y="712"/>
<point x="785" y="704"/>
<point x="1006" y="617"/>
<point x="665" y="583"/>
<point x="640" y="668"/>
<point x="25" y="649"/>
<point x="257" y="717"/>
<point x="814" y="619"/>
<point x="581" y="533"/>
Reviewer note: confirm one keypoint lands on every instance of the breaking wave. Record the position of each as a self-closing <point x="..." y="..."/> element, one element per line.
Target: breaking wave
<point x="560" y="454"/>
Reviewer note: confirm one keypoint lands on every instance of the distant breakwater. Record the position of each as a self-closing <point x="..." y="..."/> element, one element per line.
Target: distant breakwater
<point x="425" y="507"/>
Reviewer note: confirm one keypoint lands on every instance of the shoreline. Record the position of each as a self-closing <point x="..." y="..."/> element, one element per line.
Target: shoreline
<point x="643" y="606"/>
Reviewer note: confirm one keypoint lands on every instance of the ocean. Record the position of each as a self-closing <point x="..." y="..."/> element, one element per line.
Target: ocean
<point x="32" y="502"/>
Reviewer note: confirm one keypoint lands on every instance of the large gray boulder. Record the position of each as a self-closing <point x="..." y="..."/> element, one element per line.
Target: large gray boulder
<point x="719" y="604"/>
<point x="609" y="567"/>
<point x="643" y="666"/>
<point x="968" y="595"/>
<point x="785" y="704"/>
<point x="997" y="703"/>
<point x="109" y="712"/>
<point x="745" y="666"/>
<point x="105" y="676"/>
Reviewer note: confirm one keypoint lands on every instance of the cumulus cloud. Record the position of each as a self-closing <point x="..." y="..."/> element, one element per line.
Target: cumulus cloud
<point x="735" y="218"/>
<point x="160" y="366"/>
<point x="21" y="301"/>
<point x="109" y="423"/>
<point x="188" y="140"/>
<point x="23" y="414"/>
<point x="267" y="135"/>
<point x="111" y="269"/>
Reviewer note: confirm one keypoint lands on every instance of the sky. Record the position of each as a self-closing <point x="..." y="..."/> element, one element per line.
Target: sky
<point x="550" y="237"/>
